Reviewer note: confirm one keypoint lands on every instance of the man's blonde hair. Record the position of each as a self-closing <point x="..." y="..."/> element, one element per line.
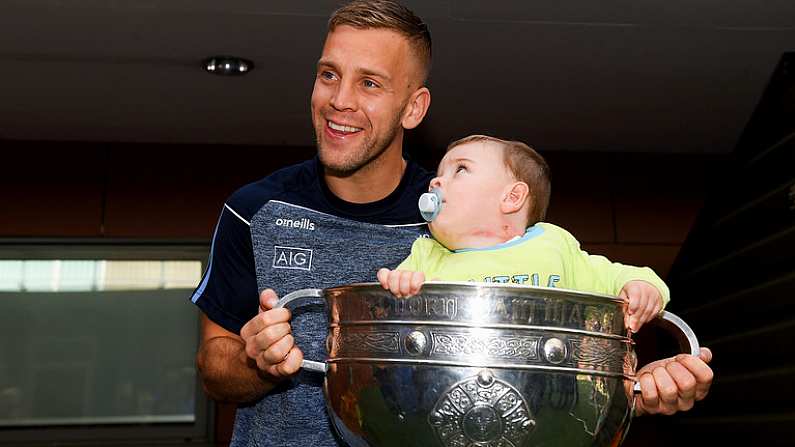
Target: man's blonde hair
<point x="365" y="14"/>
<point x="526" y="165"/>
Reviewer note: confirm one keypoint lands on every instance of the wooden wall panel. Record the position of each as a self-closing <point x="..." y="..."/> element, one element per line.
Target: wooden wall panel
<point x="658" y="197"/>
<point x="178" y="192"/>
<point x="48" y="191"/>
<point x="662" y="220"/>
<point x="162" y="193"/>
<point x="581" y="200"/>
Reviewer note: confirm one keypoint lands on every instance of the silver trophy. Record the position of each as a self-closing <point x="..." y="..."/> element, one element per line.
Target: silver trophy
<point x="478" y="365"/>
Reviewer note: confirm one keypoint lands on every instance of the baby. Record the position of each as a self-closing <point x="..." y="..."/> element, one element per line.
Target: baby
<point x="486" y="208"/>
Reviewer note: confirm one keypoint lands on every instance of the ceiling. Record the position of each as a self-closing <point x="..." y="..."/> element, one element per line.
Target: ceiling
<point x="620" y="75"/>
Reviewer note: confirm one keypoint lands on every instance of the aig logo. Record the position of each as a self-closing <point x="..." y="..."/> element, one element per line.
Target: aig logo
<point x="292" y="258"/>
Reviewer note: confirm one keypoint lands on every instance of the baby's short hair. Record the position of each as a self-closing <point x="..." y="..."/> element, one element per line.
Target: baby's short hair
<point x="526" y="165"/>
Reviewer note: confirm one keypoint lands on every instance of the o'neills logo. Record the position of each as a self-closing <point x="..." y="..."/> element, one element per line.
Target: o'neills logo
<point x="304" y="223"/>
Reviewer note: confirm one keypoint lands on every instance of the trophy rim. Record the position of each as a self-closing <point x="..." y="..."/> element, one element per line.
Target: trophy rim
<point x="440" y="286"/>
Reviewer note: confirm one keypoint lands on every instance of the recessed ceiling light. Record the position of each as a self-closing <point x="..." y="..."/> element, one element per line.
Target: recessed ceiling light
<point x="228" y="65"/>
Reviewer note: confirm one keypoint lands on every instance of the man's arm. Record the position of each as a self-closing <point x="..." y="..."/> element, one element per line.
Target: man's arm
<point x="228" y="374"/>
<point x="243" y="368"/>
<point x="673" y="384"/>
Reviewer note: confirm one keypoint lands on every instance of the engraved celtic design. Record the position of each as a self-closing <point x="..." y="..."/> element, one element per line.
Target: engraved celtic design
<point x="481" y="411"/>
<point x="496" y="346"/>
<point x="369" y="342"/>
<point x="570" y="351"/>
<point x="599" y="354"/>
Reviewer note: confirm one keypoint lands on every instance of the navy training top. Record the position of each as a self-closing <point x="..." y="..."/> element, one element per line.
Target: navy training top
<point x="289" y="232"/>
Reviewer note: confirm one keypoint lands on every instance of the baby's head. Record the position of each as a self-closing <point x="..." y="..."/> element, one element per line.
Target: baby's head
<point x="492" y="190"/>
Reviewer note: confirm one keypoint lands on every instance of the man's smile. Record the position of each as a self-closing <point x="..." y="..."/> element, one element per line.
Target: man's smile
<point x="342" y="128"/>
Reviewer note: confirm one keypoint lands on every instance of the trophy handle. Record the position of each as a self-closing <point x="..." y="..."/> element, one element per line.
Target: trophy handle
<point x="297" y="299"/>
<point x="679" y="329"/>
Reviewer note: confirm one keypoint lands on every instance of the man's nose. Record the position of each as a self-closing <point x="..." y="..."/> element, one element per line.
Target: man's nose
<point x="344" y="97"/>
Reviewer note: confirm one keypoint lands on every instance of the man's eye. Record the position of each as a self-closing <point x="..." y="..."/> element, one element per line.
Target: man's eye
<point x="369" y="83"/>
<point x="327" y="75"/>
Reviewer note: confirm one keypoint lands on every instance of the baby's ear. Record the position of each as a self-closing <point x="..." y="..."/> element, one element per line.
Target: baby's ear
<point x="516" y="194"/>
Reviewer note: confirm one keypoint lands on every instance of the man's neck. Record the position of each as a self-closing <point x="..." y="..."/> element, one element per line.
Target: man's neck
<point x="372" y="182"/>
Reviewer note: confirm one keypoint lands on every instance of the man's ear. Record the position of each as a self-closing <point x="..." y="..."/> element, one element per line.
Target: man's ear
<point x="416" y="108"/>
<point x="516" y="195"/>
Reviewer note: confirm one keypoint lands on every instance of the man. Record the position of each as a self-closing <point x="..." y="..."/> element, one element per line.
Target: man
<point x="369" y="88"/>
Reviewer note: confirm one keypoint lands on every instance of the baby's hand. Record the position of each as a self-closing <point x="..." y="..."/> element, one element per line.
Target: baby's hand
<point x="645" y="303"/>
<point x="402" y="283"/>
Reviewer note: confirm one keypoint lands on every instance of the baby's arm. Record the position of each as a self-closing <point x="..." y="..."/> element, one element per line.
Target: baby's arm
<point x="402" y="283"/>
<point x="646" y="293"/>
<point x="407" y="278"/>
<point x="645" y="303"/>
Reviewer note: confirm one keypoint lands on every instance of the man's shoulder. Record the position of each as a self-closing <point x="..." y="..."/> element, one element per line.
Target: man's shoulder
<point x="417" y="176"/>
<point x="298" y="179"/>
<point x="300" y="185"/>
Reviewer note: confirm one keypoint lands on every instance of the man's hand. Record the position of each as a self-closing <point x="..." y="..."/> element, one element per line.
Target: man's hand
<point x="402" y="283"/>
<point x="673" y="384"/>
<point x="269" y="341"/>
<point x="645" y="303"/>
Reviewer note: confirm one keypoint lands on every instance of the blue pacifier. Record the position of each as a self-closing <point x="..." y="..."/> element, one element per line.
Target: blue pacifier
<point x="431" y="204"/>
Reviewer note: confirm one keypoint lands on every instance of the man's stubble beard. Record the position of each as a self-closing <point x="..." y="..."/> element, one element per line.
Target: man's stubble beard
<point x="366" y="155"/>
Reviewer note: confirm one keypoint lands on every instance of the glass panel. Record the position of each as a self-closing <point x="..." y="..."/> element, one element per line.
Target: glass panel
<point x="83" y="275"/>
<point x="77" y="275"/>
<point x="37" y="275"/>
<point x="97" y="341"/>
<point x="10" y="275"/>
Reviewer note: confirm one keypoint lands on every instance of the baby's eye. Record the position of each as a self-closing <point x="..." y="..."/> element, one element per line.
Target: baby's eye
<point x="460" y="168"/>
